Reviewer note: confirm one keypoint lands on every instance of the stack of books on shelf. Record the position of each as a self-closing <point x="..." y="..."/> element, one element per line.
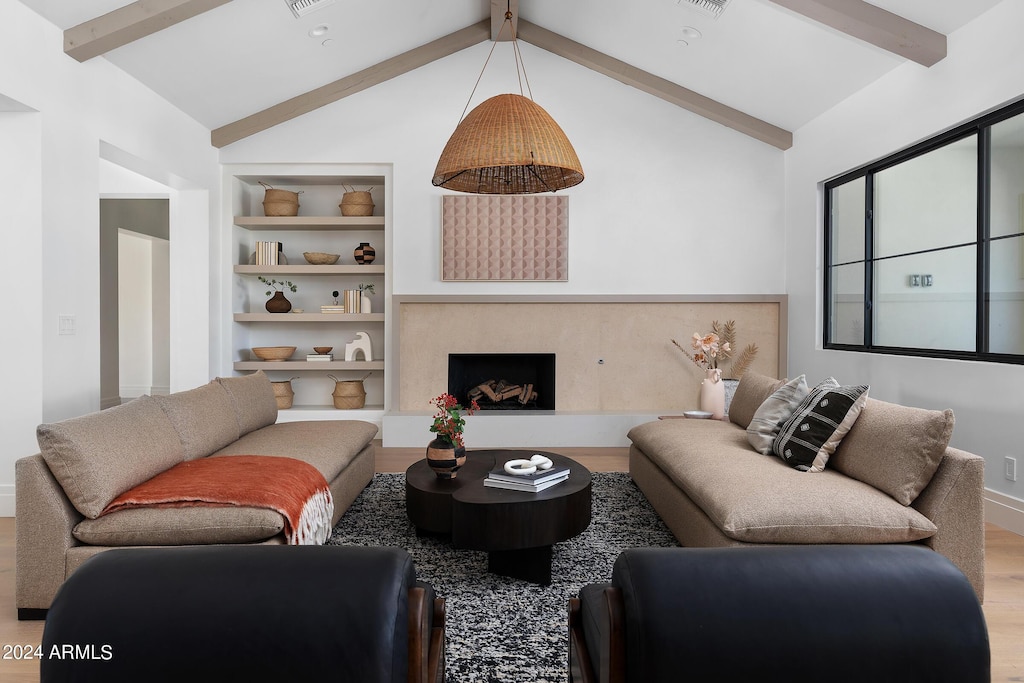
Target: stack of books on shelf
<point x="320" y="356"/>
<point x="266" y="253"/>
<point x="538" y="481"/>
<point x="332" y="308"/>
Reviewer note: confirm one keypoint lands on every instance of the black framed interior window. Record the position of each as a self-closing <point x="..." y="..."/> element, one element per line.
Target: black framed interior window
<point x="924" y="250"/>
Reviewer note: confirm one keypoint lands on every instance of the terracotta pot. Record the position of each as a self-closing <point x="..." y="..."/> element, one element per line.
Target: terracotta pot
<point x="445" y="459"/>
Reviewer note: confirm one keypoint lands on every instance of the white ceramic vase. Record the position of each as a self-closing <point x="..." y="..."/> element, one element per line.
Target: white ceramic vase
<point x="712" y="393"/>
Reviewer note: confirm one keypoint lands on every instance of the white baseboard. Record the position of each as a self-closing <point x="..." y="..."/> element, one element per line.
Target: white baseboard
<point x="130" y="392"/>
<point x="7" y="500"/>
<point x="109" y="402"/>
<point x="159" y="390"/>
<point x="1004" y="511"/>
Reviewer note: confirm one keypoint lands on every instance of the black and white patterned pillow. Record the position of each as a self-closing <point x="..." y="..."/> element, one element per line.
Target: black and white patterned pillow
<point x="814" y="430"/>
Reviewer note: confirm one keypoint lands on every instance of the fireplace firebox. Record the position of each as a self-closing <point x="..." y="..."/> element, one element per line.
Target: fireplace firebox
<point x="503" y="381"/>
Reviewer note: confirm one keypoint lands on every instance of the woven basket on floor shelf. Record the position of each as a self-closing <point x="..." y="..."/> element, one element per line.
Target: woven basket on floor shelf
<point x="348" y="394"/>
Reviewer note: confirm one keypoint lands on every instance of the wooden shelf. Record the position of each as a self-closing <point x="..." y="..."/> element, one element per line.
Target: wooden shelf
<point x="310" y="222"/>
<point x="306" y="269"/>
<point x="309" y="317"/>
<point x="299" y="365"/>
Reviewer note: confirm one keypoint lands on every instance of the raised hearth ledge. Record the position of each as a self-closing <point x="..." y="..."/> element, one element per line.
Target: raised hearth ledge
<point x="596" y="403"/>
<point x="528" y="429"/>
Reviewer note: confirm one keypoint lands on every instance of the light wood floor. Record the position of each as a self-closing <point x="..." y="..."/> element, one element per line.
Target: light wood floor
<point x="1004" y="578"/>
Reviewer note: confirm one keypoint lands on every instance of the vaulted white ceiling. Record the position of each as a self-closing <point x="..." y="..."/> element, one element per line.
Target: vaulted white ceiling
<point x="758" y="57"/>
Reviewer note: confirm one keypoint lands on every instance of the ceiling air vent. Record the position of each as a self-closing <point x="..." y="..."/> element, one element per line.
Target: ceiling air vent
<point x="712" y="7"/>
<point x="301" y="8"/>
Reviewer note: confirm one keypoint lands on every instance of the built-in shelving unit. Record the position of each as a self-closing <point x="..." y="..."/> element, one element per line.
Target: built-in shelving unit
<point x="319" y="227"/>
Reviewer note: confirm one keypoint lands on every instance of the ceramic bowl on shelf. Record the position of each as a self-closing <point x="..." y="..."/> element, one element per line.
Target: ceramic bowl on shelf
<point x="273" y="353"/>
<point x="319" y="258"/>
<point x="323" y="350"/>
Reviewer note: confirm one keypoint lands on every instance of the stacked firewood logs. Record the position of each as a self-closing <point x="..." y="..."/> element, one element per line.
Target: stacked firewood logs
<point x="498" y="391"/>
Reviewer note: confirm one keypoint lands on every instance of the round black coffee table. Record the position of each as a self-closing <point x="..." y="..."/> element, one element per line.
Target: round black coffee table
<point x="516" y="528"/>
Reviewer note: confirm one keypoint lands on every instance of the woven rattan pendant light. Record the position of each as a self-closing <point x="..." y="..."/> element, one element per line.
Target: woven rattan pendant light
<point x="508" y="145"/>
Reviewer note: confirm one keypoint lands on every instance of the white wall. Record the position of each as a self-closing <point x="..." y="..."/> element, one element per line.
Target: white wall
<point x="135" y="314"/>
<point x="981" y="72"/>
<point x="672" y="203"/>
<point x="21" y="405"/>
<point x="85" y="111"/>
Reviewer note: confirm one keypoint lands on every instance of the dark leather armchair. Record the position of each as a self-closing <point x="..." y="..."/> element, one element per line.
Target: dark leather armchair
<point x="257" y="613"/>
<point x="796" y="614"/>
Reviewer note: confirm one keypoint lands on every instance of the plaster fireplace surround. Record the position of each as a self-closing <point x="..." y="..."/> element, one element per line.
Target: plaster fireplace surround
<point x="616" y="366"/>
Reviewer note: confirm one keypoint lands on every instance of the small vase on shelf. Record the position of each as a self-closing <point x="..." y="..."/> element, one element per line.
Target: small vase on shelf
<point x="445" y="459"/>
<point x="278" y="303"/>
<point x="364" y="254"/>
<point x="712" y="393"/>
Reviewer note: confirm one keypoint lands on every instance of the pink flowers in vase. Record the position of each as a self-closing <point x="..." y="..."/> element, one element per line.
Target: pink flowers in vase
<point x="711" y="350"/>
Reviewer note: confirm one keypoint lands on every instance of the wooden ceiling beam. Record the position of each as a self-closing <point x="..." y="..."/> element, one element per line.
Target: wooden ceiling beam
<point x="130" y="23"/>
<point x="874" y="25"/>
<point x="498" y="9"/>
<point x="654" y="85"/>
<point x="357" y="82"/>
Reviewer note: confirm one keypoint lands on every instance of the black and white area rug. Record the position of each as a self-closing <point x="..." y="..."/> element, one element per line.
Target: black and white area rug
<point x="501" y="629"/>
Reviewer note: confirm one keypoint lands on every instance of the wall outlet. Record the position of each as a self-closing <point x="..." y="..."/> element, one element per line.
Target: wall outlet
<point x="1010" y="465"/>
<point x="65" y="324"/>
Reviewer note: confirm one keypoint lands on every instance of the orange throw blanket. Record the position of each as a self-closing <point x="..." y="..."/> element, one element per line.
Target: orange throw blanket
<point x="292" y="487"/>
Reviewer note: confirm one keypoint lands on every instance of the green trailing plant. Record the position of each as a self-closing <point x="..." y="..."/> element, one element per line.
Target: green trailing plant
<point x="278" y="286"/>
<point x="365" y="288"/>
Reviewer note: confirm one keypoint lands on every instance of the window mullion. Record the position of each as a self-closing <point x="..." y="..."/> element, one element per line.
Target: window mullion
<point x="982" y="288"/>
<point x="869" y="261"/>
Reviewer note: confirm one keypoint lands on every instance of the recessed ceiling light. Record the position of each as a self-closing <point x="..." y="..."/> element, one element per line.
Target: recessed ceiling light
<point x="682" y="43"/>
<point x="328" y="42"/>
<point x="690" y="33"/>
<point x="318" y="31"/>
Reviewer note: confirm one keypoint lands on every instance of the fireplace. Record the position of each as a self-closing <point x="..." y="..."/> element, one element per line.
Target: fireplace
<point x="503" y="381"/>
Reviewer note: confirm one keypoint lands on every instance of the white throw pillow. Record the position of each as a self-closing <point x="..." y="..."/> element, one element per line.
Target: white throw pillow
<point x="776" y="409"/>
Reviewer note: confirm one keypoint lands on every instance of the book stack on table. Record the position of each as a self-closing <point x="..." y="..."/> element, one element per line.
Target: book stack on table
<point x="538" y="481"/>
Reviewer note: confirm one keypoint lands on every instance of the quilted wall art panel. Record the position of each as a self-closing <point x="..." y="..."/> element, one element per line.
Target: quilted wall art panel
<point x="505" y="238"/>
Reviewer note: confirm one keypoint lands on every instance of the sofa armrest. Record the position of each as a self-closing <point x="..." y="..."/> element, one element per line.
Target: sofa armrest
<point x="597" y="636"/>
<point x="426" y="635"/>
<point x="954" y="501"/>
<point x="44" y="520"/>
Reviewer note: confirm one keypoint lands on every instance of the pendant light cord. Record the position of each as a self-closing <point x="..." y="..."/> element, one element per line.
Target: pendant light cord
<point x="517" y="55"/>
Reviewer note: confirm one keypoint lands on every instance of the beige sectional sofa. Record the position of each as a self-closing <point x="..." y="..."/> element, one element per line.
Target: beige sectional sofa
<point x="88" y="461"/>
<point x="892" y="479"/>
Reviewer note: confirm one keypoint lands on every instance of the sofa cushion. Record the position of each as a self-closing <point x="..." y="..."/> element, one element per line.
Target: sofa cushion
<point x="252" y="397"/>
<point x="328" y="445"/>
<point x="751" y="392"/>
<point x="895" y="448"/>
<point x="181" y="526"/>
<point x="99" y="456"/>
<point x="754" y="499"/>
<point x="768" y="418"/>
<point x="817" y="426"/>
<point x="204" y="418"/>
